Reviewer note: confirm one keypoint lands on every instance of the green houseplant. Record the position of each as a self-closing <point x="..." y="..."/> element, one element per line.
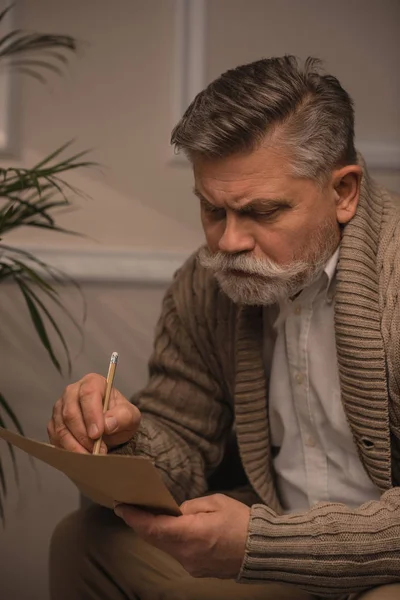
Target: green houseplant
<point x="28" y="198"/>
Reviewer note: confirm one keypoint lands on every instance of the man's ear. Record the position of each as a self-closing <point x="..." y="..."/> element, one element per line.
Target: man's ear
<point x="346" y="184"/>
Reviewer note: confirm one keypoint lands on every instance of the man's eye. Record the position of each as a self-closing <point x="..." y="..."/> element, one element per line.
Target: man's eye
<point x="213" y="211"/>
<point x="267" y="216"/>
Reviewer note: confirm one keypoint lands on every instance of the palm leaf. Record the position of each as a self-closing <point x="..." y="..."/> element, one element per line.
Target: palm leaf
<point x="8" y="251"/>
<point x="31" y="73"/>
<point x="52" y="156"/>
<point x="5" y="11"/>
<point x="25" y="209"/>
<point x="33" y="275"/>
<point x="47" y="52"/>
<point x="11" y="414"/>
<point x="53" y="228"/>
<point x="36" y="42"/>
<point x="25" y="276"/>
<point x="39" y="325"/>
<point x="29" y="63"/>
<point x="2" y="516"/>
<point x="9" y="35"/>
<point x="6" y="407"/>
<point x="52" y="273"/>
<point x="34" y="191"/>
<point x="22" y="180"/>
<point x="37" y="301"/>
<point x="3" y="483"/>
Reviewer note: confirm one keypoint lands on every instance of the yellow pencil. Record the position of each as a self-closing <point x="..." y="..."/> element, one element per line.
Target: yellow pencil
<point x="109" y="384"/>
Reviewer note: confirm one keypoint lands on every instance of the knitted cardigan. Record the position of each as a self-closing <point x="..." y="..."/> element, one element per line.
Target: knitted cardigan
<point x="206" y="373"/>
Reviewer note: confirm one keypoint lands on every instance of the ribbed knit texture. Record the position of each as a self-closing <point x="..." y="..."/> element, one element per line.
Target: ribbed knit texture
<point x="207" y="371"/>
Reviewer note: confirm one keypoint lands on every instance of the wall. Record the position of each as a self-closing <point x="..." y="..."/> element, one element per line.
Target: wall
<point x="119" y="97"/>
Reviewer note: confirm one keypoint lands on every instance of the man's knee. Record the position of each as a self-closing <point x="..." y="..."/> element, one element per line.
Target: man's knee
<point x="74" y="531"/>
<point x="82" y="550"/>
<point x="65" y="557"/>
<point x="383" y="592"/>
<point x="66" y="531"/>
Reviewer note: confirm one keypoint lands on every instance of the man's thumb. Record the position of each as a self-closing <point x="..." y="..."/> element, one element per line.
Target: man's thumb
<point x="205" y="504"/>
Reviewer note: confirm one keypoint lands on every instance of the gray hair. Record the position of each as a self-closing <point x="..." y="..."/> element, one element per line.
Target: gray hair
<point x="277" y="101"/>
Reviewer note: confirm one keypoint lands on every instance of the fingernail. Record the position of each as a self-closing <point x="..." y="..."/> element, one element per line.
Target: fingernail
<point x="93" y="431"/>
<point x="111" y="424"/>
<point x="103" y="448"/>
<point x="118" y="511"/>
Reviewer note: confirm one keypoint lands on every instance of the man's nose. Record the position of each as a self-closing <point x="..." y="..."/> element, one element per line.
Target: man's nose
<point x="236" y="237"/>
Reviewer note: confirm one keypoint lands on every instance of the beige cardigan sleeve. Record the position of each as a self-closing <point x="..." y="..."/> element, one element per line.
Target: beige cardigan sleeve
<point x="185" y="415"/>
<point x="328" y="550"/>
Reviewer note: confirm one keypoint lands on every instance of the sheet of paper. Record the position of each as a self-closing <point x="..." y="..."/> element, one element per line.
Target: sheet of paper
<point x="105" y="479"/>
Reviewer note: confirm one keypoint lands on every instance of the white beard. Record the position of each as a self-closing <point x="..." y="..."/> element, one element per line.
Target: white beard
<point x="265" y="282"/>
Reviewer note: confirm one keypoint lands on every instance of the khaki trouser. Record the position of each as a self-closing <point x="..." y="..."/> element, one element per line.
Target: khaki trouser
<point x="95" y="556"/>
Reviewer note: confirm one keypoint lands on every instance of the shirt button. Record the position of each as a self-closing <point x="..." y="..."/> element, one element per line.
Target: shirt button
<point x="297" y="310"/>
<point x="310" y="442"/>
<point x="299" y="378"/>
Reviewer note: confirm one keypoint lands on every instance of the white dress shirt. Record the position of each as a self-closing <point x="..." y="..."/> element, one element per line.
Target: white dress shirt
<point x="315" y="455"/>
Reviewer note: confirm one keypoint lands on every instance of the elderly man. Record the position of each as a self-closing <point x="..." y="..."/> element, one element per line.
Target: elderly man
<point x="286" y="328"/>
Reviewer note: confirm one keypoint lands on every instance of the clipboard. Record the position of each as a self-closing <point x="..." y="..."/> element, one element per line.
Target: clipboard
<point x="104" y="478"/>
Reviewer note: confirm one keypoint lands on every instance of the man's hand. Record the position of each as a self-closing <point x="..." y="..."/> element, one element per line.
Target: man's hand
<point x="78" y="418"/>
<point x="208" y="540"/>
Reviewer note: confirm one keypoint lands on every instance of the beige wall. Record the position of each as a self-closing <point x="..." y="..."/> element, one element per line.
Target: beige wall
<point x="358" y="40"/>
<point x="117" y="97"/>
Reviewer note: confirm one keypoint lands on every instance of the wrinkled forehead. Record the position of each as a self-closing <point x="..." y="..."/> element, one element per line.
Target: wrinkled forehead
<point x="238" y="180"/>
<point x="241" y="176"/>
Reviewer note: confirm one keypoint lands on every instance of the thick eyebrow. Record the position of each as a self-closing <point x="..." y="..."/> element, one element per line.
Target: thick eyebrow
<point x="264" y="205"/>
<point x="255" y="205"/>
<point x="199" y="195"/>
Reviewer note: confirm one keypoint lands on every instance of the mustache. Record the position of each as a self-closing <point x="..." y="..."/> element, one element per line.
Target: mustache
<point x="221" y="262"/>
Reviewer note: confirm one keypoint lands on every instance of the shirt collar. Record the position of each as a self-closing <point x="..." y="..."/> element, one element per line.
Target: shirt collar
<point x="326" y="285"/>
<point x="330" y="267"/>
